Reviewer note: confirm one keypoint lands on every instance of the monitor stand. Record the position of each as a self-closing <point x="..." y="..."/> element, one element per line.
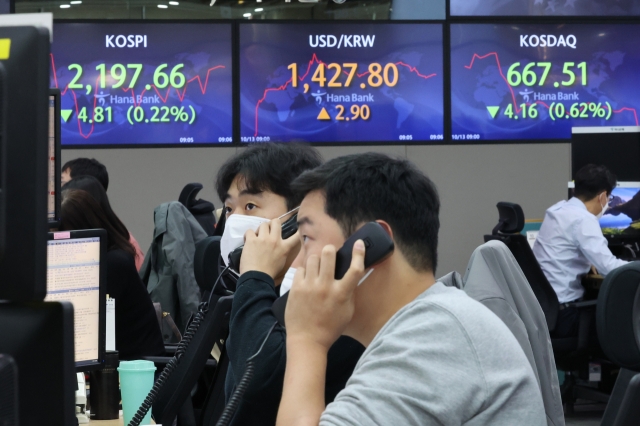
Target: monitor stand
<point x="81" y="400"/>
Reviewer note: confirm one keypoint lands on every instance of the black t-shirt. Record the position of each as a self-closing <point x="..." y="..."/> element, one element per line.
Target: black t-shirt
<point x="251" y="319"/>
<point x="137" y="329"/>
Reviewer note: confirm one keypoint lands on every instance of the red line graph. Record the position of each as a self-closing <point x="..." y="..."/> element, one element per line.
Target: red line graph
<point x="180" y="93"/>
<point x="513" y="96"/>
<point x="315" y="60"/>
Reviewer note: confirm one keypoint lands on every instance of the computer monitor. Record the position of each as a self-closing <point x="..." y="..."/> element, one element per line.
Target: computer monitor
<point x="39" y="337"/>
<point x="76" y="272"/>
<point x="53" y="185"/>
<point x="624" y="209"/>
<point x="617" y="148"/>
<point x="24" y="54"/>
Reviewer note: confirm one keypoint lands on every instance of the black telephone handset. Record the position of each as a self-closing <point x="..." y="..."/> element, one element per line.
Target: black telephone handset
<point x="378" y="246"/>
<point x="289" y="227"/>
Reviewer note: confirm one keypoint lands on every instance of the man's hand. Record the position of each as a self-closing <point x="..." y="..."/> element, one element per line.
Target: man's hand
<point x="265" y="250"/>
<point x="319" y="306"/>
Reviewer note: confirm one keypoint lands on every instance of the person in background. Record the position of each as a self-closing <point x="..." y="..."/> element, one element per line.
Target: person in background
<point x="433" y="356"/>
<point x="570" y="241"/>
<point x="93" y="187"/>
<point x="137" y="329"/>
<point x="255" y="188"/>
<point x="85" y="167"/>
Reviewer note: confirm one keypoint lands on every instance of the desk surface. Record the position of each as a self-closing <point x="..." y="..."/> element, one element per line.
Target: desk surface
<point x="592" y="282"/>
<point x="118" y="422"/>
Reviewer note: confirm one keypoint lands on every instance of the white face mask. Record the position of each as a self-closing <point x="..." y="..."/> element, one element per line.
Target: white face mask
<point x="234" y="229"/>
<point x="288" y="280"/>
<point x="604" y="209"/>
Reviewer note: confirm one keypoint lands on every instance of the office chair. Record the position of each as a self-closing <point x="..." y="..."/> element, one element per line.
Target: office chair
<point x="173" y="398"/>
<point x="494" y="278"/>
<point x="201" y="209"/>
<point x="618" y="325"/>
<point x="571" y="354"/>
<point x="215" y="402"/>
<point x="205" y="264"/>
<point x="510" y="224"/>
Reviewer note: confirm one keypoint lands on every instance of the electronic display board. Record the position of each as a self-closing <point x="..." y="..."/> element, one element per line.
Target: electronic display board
<point x="143" y="83"/>
<point x="339" y="82"/>
<point x="529" y="81"/>
<point x="545" y="7"/>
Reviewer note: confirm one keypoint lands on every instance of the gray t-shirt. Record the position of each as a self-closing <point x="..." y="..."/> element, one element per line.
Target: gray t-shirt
<point x="444" y="359"/>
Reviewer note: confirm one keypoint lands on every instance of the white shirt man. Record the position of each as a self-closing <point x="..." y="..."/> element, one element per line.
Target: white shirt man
<point x="569" y="242"/>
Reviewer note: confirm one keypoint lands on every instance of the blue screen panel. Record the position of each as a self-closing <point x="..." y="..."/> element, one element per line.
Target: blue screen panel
<point x="341" y="82"/>
<point x="624" y="208"/>
<point x="545" y="7"/>
<point x="143" y="83"/>
<point x="519" y="82"/>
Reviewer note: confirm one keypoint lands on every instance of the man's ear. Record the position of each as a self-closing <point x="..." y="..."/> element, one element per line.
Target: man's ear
<point x="386" y="227"/>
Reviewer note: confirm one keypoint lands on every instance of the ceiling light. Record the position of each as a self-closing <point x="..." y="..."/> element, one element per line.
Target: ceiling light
<point x="162" y="6"/>
<point x="260" y="9"/>
<point x="247" y="15"/>
<point x="65" y="6"/>
<point x="76" y="2"/>
<point x="174" y="3"/>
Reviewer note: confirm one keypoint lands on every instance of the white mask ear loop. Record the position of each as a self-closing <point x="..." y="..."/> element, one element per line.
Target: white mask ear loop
<point x="604" y="208"/>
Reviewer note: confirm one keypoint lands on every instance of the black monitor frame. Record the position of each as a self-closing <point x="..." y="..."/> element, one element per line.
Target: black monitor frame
<point x="23" y="265"/>
<point x="55" y="93"/>
<point x="102" y="311"/>
<point x="39" y="337"/>
<point x="616" y="147"/>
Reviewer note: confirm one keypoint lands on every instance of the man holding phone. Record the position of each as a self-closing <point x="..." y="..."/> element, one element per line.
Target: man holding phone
<point x="434" y="355"/>
<point x="255" y="186"/>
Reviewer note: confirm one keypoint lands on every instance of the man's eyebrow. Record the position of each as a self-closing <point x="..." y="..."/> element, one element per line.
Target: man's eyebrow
<point x="249" y="191"/>
<point x="304" y="221"/>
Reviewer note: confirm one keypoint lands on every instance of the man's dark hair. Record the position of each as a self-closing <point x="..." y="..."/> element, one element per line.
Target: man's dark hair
<point x="88" y="167"/>
<point x="591" y="180"/>
<point x="269" y="167"/>
<point x="366" y="187"/>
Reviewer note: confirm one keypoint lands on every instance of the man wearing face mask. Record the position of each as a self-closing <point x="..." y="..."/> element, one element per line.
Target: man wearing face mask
<point x="571" y="241"/>
<point x="255" y="186"/>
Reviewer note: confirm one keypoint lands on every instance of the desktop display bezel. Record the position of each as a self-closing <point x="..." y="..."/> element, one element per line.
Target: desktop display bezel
<point x="55" y="222"/>
<point x="84" y="366"/>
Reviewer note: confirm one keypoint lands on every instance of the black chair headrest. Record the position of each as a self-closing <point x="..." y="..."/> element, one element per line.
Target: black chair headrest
<point x="618" y="316"/>
<point x="511" y="218"/>
<point x="205" y="262"/>
<point x="188" y="194"/>
<point x="201" y="207"/>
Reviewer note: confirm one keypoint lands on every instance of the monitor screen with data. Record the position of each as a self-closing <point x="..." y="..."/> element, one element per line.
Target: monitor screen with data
<point x="74" y="274"/>
<point x="545" y="7"/>
<point x="538" y="81"/>
<point x="140" y="83"/>
<point x="341" y="83"/>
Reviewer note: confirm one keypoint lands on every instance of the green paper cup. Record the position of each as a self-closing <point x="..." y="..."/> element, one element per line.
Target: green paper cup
<point x="136" y="380"/>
